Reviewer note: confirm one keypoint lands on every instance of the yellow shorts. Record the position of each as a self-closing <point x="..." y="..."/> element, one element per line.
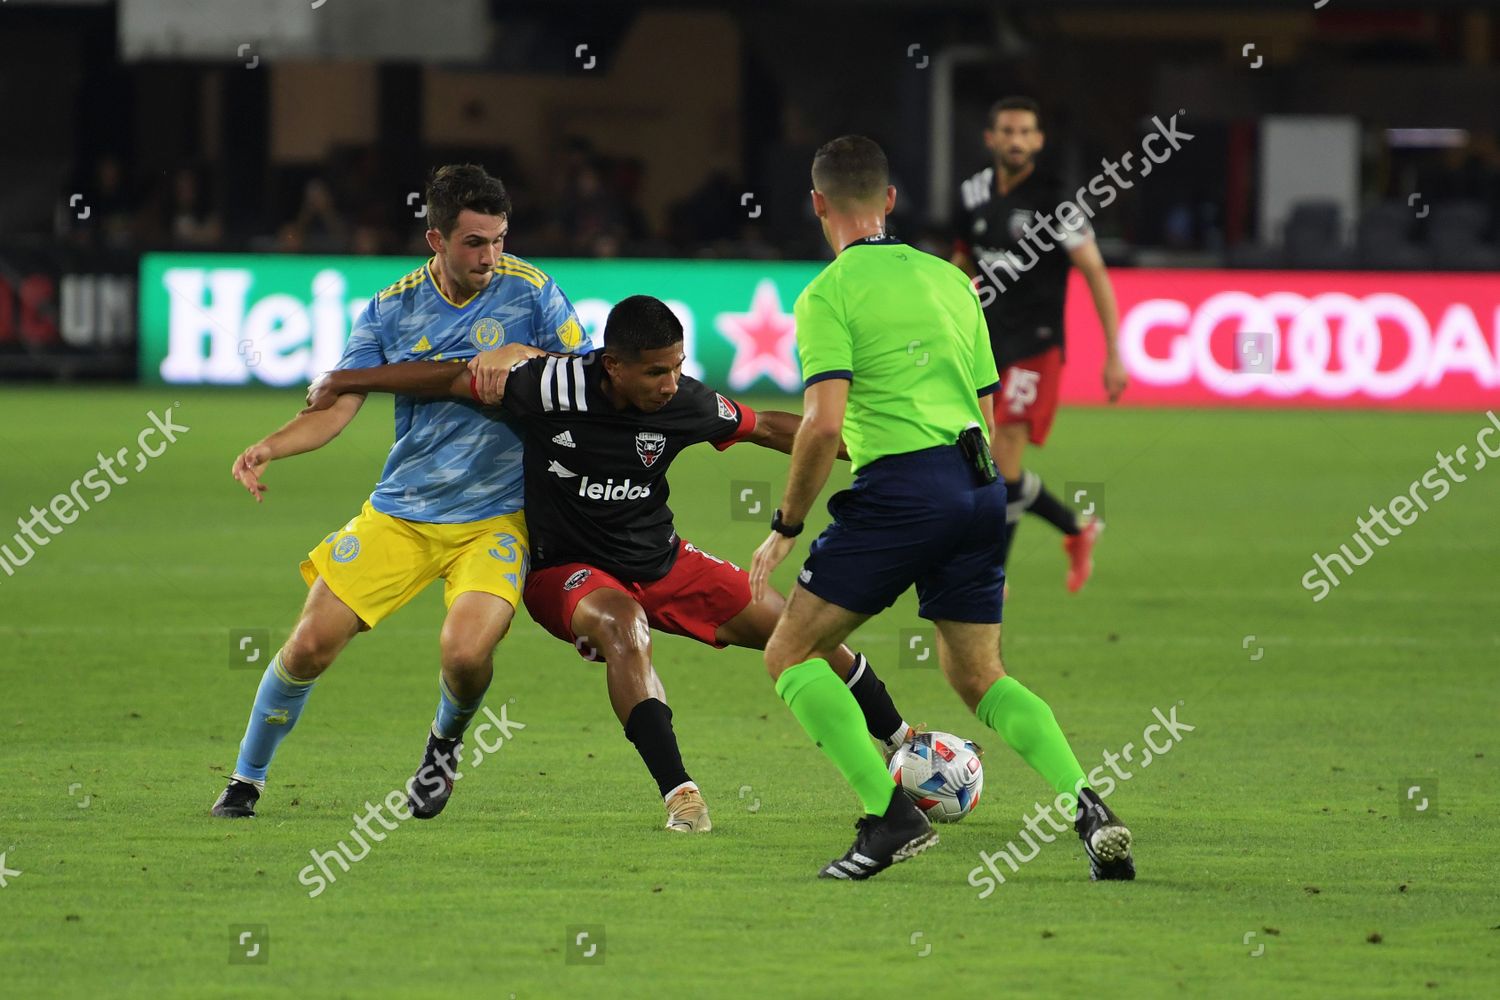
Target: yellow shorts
<point x="376" y="563"/>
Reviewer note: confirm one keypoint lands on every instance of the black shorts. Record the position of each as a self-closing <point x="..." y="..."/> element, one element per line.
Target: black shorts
<point x="916" y="518"/>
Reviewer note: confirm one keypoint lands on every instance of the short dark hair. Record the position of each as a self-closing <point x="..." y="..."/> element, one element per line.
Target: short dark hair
<point x="459" y="186"/>
<point x="640" y="323"/>
<point x="850" y="168"/>
<point x="1015" y="103"/>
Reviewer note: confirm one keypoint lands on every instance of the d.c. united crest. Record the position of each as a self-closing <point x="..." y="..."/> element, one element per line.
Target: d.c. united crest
<point x="650" y="445"/>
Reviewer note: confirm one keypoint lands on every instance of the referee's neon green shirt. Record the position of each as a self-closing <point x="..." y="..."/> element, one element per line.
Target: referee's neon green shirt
<point x="906" y="329"/>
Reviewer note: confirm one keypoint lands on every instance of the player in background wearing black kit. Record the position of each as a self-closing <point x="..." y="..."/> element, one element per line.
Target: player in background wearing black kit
<point x="600" y="431"/>
<point x="1008" y="239"/>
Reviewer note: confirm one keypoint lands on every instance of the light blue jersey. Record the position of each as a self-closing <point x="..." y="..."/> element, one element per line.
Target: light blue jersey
<point x="450" y="463"/>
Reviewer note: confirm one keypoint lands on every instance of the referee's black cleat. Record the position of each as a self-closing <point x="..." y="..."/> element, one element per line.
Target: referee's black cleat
<point x="237" y="800"/>
<point x="902" y="833"/>
<point x="1105" y="838"/>
<point x="431" y="786"/>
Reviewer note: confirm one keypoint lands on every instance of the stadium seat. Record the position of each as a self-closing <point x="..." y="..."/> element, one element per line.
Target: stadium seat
<point x="1314" y="236"/>
<point x="1456" y="234"/>
<point x="1255" y="257"/>
<point x="1385" y="240"/>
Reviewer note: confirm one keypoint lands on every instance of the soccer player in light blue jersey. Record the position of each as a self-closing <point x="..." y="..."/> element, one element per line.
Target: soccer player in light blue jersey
<point x="448" y="504"/>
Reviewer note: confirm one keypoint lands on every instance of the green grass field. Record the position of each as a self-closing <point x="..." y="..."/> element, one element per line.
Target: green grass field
<point x="1278" y="854"/>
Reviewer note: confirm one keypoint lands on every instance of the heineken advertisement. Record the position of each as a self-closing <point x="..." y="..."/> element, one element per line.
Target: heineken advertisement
<point x="249" y="319"/>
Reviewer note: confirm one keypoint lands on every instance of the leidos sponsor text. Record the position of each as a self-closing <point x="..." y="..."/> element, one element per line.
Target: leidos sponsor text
<point x="610" y="490"/>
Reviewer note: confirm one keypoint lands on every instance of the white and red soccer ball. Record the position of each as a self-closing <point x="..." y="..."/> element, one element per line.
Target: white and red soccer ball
<point x="941" y="773"/>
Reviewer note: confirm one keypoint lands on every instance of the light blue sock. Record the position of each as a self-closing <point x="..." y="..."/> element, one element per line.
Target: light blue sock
<point x="278" y="703"/>
<point x="453" y="715"/>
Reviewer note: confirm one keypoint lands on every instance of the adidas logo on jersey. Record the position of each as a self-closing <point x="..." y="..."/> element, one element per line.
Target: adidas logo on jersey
<point x="610" y="490"/>
<point x="422" y="345"/>
<point x="565" y="439"/>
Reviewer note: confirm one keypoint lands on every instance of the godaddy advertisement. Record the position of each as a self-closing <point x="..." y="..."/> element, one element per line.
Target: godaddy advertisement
<point x="245" y="319"/>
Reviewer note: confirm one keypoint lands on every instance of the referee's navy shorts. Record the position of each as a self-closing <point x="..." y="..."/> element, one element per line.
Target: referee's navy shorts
<point x="915" y="518"/>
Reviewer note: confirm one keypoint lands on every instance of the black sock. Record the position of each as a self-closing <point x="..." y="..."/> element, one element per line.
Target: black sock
<point x="1033" y="498"/>
<point x="650" y="729"/>
<point x="1015" y="506"/>
<point x="1010" y="535"/>
<point x="881" y="717"/>
<point x="1054" y="512"/>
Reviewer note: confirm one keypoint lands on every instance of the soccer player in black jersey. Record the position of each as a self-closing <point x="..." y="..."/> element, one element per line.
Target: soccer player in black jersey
<point x="600" y="431"/>
<point x="1016" y="239"/>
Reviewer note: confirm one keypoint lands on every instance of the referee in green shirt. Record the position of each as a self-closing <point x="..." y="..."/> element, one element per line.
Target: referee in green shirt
<point x="895" y="358"/>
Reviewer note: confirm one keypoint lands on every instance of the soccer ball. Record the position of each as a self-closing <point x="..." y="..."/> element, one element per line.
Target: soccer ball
<point x="942" y="774"/>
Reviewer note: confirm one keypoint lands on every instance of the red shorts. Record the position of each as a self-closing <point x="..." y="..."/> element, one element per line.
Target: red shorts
<point x="701" y="593"/>
<point x="1028" y="393"/>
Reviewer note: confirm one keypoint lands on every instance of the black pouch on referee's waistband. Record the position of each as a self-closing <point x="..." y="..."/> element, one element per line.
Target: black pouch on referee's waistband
<point x="976" y="452"/>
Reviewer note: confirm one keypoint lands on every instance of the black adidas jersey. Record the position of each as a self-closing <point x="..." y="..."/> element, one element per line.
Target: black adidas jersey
<point x="596" y="476"/>
<point x="1023" y="286"/>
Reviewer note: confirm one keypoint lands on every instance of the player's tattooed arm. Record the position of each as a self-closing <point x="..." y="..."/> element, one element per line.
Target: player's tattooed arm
<point x="776" y="429"/>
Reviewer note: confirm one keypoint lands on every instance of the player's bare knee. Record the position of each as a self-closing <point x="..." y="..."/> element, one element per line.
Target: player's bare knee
<point x="616" y="626"/>
<point x="625" y="635"/>
<point x="620" y="631"/>
<point x="783" y="652"/>
<point x="973" y="679"/>
<point x="968" y="689"/>
<point x="467" y="659"/>
<point x="307" y="654"/>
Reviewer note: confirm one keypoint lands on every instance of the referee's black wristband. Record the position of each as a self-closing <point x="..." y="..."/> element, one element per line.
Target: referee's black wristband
<point x="782" y="528"/>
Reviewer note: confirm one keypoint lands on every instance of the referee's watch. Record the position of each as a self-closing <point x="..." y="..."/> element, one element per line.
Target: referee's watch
<point x="782" y="528"/>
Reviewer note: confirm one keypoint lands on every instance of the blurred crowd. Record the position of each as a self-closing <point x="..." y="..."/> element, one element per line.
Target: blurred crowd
<point x="586" y="204"/>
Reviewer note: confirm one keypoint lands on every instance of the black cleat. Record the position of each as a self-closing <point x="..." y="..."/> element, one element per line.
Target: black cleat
<point x="902" y="833"/>
<point x="1105" y="838"/>
<point x="237" y="801"/>
<point x="433" y="783"/>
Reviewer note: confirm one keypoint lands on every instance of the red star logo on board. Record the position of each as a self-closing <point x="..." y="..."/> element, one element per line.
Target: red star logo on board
<point x="764" y="339"/>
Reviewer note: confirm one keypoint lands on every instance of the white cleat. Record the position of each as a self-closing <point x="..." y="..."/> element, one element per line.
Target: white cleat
<point x="688" y="813"/>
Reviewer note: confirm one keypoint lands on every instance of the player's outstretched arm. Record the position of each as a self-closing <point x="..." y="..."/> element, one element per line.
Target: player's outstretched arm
<point x="777" y="430"/>
<point x="491" y="369"/>
<point x="435" y="379"/>
<point x="432" y="379"/>
<point x="307" y="431"/>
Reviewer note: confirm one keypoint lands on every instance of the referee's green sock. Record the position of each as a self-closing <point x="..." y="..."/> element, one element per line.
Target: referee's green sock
<point x="1027" y="725"/>
<point x="831" y="716"/>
